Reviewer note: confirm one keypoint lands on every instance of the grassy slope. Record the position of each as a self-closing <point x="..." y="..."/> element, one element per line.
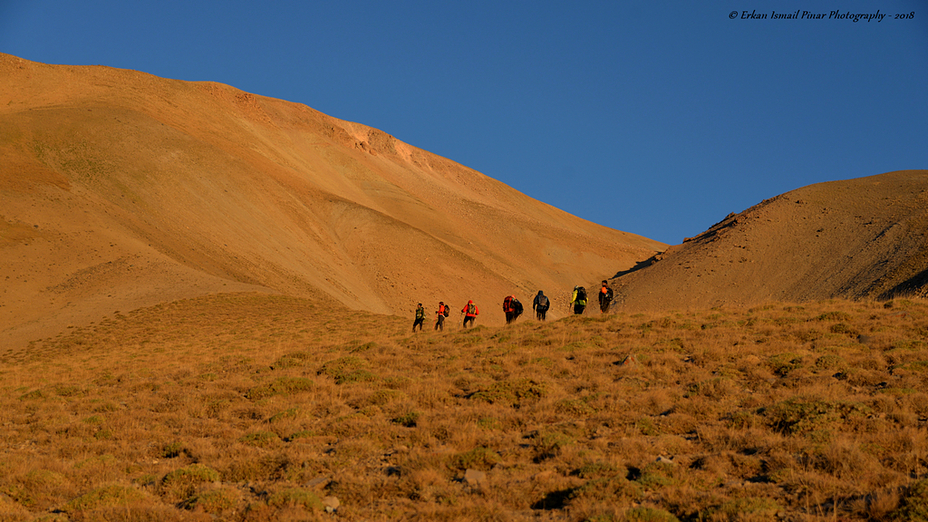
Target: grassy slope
<point x="257" y="407"/>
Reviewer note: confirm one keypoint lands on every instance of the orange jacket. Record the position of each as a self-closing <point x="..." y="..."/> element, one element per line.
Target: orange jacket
<point x="467" y="313"/>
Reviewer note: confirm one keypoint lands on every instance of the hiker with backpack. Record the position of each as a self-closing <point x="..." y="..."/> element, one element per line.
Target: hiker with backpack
<point x="516" y="308"/>
<point x="443" y="311"/>
<point x="605" y="297"/>
<point x="508" y="308"/>
<point x="578" y="299"/>
<point x="470" y="312"/>
<point x="420" y="318"/>
<point x="540" y="305"/>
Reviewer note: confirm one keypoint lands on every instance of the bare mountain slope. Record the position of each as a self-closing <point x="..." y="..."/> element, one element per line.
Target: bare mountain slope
<point x="860" y="238"/>
<point x="119" y="189"/>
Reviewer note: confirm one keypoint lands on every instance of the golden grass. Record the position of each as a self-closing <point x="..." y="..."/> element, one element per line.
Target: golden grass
<point x="255" y="407"/>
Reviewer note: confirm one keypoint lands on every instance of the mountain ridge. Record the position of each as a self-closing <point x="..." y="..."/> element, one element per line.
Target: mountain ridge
<point x="864" y="238"/>
<point x="145" y="189"/>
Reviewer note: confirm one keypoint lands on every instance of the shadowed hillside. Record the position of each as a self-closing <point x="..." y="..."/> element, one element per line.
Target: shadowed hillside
<point x="860" y="238"/>
<point x="119" y="189"/>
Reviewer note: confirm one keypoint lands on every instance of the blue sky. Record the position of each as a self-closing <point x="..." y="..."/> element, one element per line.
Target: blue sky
<point x="657" y="118"/>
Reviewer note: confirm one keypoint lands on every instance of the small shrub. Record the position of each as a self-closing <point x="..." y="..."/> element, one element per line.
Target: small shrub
<point x="408" y="420"/>
<point x="648" y="514"/>
<point x="748" y="508"/>
<point x="782" y="364"/>
<point x="364" y="347"/>
<point x="597" y="470"/>
<point x="259" y="439"/>
<point x="843" y="328"/>
<point x="396" y="382"/>
<point x="512" y="392"/>
<point x="33" y="395"/>
<point x="347" y="370"/>
<point x="549" y="444"/>
<point x="575" y="407"/>
<point x="12" y="511"/>
<point x="182" y="483"/>
<point x="740" y="420"/>
<point x="647" y="427"/>
<point x="68" y="391"/>
<point x="656" y="475"/>
<point x="103" y="497"/>
<point x="288" y="414"/>
<point x="280" y="386"/>
<point x="302" y="434"/>
<point x="291" y="360"/>
<point x="829" y="362"/>
<point x="609" y="489"/>
<point x="478" y="458"/>
<point x="383" y="397"/>
<point x="834" y="316"/>
<point x="262" y="468"/>
<point x="797" y="415"/>
<point x="45" y="478"/>
<point x="214" y="502"/>
<point x="489" y="423"/>
<point x="172" y="450"/>
<point x="914" y="503"/>
<point x="716" y="388"/>
<point x="918" y="367"/>
<point x="295" y="497"/>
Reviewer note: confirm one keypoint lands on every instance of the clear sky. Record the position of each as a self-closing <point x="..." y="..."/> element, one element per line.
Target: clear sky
<point x="652" y="117"/>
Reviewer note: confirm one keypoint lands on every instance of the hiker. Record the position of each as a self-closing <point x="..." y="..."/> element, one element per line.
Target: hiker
<point x="441" y="313"/>
<point x="508" y="308"/>
<point x="420" y="318"/>
<point x="540" y="305"/>
<point x="516" y="308"/>
<point x="470" y="312"/>
<point x="605" y="297"/>
<point x="578" y="300"/>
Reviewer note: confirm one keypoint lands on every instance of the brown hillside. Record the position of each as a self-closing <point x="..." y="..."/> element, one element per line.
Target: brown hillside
<point x="861" y="238"/>
<point x="119" y="189"/>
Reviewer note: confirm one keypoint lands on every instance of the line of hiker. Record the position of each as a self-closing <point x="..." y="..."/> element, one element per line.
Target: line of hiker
<point x="512" y="307"/>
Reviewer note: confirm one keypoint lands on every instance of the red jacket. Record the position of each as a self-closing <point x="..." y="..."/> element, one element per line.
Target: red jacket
<point x="507" y="304"/>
